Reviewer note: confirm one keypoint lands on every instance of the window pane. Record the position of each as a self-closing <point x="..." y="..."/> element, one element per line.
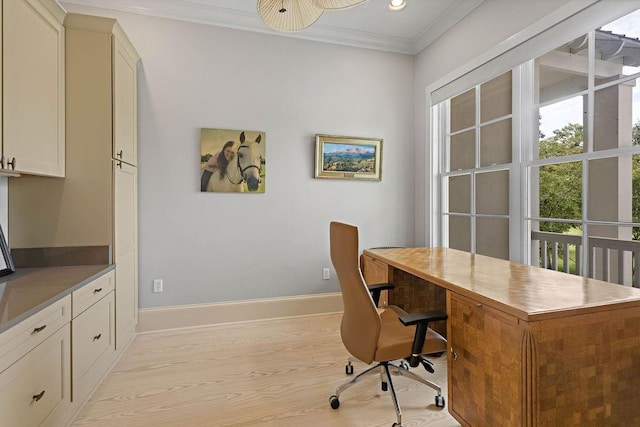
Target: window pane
<point x="460" y="194"/>
<point x="617" y="44"/>
<point x="495" y="98"/>
<point x="560" y="190"/>
<point x="462" y="153"/>
<point x="460" y="233"/>
<point x="617" y="110"/>
<point x="635" y="113"/>
<point x="463" y="111"/>
<point x="495" y="143"/>
<point x="492" y="237"/>
<point x="561" y="128"/>
<point x="492" y="193"/>
<point x="610" y="188"/>
<point x="635" y="202"/>
<point x="563" y="71"/>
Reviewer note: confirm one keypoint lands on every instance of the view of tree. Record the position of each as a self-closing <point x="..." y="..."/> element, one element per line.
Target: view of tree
<point x="561" y="185"/>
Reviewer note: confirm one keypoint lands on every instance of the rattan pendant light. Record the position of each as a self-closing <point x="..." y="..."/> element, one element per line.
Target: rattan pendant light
<point x="289" y="15"/>
<point x="337" y="4"/>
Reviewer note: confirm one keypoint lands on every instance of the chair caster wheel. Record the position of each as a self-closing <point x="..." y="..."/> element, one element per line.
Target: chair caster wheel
<point x="385" y="386"/>
<point x="404" y="365"/>
<point x="348" y="369"/>
<point x="440" y="401"/>
<point x="396" y="425"/>
<point x="334" y="402"/>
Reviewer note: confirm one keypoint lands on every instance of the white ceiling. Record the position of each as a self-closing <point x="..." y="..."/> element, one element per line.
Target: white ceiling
<point x="371" y="25"/>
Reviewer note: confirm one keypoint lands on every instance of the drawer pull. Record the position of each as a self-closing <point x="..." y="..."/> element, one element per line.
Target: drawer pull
<point x="38" y="396"/>
<point x="39" y="329"/>
<point x="97" y="337"/>
<point x="95" y="291"/>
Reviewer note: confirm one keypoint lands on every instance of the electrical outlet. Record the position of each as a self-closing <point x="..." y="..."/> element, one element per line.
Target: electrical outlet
<point x="157" y="285"/>
<point x="326" y="273"/>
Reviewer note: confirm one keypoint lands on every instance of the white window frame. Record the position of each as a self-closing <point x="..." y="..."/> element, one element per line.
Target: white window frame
<point x="574" y="19"/>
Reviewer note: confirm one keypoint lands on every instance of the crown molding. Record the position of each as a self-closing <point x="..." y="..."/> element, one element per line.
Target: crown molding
<point x="454" y="14"/>
<point x="202" y="13"/>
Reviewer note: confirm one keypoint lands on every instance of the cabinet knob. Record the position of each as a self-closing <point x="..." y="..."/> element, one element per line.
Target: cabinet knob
<point x="39" y="329"/>
<point x="12" y="163"/>
<point x="38" y="396"/>
<point x="97" y="337"/>
<point x="454" y="355"/>
<point x="478" y="304"/>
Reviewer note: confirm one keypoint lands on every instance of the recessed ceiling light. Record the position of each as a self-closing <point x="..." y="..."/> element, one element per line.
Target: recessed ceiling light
<point x="397" y="4"/>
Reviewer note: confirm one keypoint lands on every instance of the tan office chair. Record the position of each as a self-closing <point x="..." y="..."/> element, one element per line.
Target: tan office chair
<point x="379" y="335"/>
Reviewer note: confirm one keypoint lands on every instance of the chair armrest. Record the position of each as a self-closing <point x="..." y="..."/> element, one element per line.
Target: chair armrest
<point x="421" y="320"/>
<point x="377" y="288"/>
<point x="422" y="317"/>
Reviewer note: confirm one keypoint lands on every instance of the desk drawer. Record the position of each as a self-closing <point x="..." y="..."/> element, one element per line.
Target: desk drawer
<point x="34" y="391"/>
<point x="89" y="294"/>
<point x="24" y="336"/>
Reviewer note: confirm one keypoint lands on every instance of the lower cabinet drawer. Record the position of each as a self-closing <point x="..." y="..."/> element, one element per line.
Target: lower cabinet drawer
<point x="35" y="390"/>
<point x="26" y="335"/>
<point x="93" y="345"/>
<point x="92" y="292"/>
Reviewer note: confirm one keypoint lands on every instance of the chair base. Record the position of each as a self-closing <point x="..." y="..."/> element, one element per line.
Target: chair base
<point x="384" y="369"/>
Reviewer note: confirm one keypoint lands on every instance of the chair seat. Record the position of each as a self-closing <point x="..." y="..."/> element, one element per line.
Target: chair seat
<point x="396" y="340"/>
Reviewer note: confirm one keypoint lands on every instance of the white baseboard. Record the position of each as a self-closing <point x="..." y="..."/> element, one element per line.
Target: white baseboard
<point x="189" y="316"/>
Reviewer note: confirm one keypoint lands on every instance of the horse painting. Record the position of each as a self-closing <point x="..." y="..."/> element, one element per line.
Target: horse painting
<point x="243" y="168"/>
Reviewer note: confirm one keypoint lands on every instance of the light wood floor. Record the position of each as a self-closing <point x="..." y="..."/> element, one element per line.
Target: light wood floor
<point x="276" y="372"/>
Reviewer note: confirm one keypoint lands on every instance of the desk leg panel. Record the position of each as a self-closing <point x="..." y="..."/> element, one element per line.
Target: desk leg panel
<point x="414" y="294"/>
<point x="588" y="369"/>
<point x="486" y="364"/>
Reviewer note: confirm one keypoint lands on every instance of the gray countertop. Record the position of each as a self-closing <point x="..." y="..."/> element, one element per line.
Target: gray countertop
<point x="29" y="290"/>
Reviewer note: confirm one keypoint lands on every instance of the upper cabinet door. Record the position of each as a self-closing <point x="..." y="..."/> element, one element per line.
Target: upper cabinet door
<point x="125" y="128"/>
<point x="33" y="85"/>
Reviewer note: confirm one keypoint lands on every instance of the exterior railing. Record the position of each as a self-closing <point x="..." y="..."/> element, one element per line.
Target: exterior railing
<point x="624" y="264"/>
<point x="552" y="244"/>
<point x="612" y="260"/>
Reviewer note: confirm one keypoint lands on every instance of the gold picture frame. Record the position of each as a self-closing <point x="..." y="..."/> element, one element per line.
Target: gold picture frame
<point x="345" y="157"/>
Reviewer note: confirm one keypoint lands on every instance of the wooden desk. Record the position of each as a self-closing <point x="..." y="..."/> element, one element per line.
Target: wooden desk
<point x="528" y="346"/>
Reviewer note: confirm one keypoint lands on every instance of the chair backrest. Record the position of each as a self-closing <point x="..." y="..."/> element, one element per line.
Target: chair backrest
<point x="360" y="322"/>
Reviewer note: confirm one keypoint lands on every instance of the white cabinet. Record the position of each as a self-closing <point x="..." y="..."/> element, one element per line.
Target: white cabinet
<point x="101" y="91"/>
<point x="93" y="333"/>
<point x="96" y="203"/>
<point x="52" y="361"/>
<point x="33" y="98"/>
<point x="126" y="251"/>
<point x="125" y="128"/>
<point x="34" y="369"/>
<point x="35" y="390"/>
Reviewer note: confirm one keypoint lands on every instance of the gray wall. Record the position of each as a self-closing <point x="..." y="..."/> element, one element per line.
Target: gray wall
<point x="223" y="247"/>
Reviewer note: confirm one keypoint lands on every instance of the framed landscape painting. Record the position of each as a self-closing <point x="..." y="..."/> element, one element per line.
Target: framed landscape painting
<point x="343" y="157"/>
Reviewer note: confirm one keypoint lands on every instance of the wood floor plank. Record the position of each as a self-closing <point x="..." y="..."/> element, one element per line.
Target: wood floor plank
<point x="277" y="372"/>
